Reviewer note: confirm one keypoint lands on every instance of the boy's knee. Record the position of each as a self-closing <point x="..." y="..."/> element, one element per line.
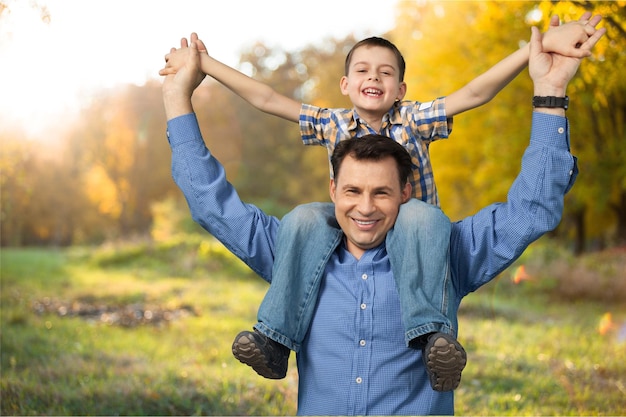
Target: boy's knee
<point x="309" y="216"/>
<point x="418" y="212"/>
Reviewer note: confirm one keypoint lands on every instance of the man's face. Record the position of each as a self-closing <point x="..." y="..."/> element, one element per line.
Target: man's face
<point x="367" y="197"/>
<point x="373" y="80"/>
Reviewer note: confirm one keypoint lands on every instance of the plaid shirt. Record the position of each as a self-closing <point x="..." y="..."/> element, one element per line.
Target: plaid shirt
<point x="410" y="123"/>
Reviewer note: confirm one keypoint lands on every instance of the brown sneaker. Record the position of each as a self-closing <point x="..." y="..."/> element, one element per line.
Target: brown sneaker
<point x="445" y="359"/>
<point x="266" y="356"/>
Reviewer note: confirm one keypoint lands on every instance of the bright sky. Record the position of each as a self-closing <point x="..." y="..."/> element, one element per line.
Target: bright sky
<point x="49" y="68"/>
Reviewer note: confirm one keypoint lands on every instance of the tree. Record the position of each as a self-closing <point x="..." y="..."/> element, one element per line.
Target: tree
<point x="598" y="117"/>
<point x="277" y="171"/>
<point x="41" y="200"/>
<point x="122" y="157"/>
<point x="481" y="160"/>
<point x="16" y="160"/>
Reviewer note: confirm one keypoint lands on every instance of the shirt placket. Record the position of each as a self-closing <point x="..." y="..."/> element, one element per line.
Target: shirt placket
<point x="363" y="335"/>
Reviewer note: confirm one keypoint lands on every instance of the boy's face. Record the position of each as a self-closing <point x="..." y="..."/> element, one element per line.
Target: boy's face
<point x="373" y="82"/>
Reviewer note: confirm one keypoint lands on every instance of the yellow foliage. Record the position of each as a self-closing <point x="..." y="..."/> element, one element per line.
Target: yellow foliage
<point x="447" y="44"/>
<point x="102" y="192"/>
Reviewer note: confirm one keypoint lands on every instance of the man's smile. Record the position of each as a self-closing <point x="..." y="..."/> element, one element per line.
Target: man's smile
<point x="365" y="224"/>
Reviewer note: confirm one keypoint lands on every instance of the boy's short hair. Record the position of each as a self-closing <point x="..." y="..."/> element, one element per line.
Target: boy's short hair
<point x="373" y="147"/>
<point x="384" y="43"/>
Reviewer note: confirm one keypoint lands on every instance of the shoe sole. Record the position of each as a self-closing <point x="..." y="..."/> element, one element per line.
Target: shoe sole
<point x="247" y="352"/>
<point x="445" y="361"/>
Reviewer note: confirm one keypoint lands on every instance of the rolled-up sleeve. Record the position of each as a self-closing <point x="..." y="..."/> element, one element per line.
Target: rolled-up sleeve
<point x="485" y="244"/>
<point x="243" y="228"/>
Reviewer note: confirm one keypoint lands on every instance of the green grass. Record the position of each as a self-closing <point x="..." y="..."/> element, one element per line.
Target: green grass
<point x="529" y="353"/>
<point x="529" y="357"/>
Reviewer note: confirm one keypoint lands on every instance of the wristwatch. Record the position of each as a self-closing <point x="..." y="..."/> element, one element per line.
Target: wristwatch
<point x="551" y="101"/>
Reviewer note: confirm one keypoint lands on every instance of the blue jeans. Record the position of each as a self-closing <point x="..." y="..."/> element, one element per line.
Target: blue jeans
<point x="418" y="249"/>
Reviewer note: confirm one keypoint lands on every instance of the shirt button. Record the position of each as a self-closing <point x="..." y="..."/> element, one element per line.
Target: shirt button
<point x="561" y="130"/>
<point x="362" y="343"/>
<point x="364" y="276"/>
<point x="363" y="306"/>
<point x="359" y="380"/>
<point x="571" y="172"/>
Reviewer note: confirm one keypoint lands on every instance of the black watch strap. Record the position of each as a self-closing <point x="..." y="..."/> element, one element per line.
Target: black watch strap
<point x="551" y="101"/>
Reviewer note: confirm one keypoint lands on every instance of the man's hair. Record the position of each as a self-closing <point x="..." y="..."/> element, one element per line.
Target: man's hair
<point x="384" y="43"/>
<point x="373" y="148"/>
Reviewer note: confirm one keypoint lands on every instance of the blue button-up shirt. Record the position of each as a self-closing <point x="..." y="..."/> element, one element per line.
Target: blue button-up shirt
<point x="354" y="359"/>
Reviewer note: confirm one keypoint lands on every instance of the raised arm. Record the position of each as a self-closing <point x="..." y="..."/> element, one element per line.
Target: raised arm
<point x="244" y="229"/>
<point x="563" y="39"/>
<point x="484" y="244"/>
<point x="258" y="94"/>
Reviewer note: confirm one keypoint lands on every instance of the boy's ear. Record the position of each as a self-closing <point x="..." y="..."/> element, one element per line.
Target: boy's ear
<point x="401" y="91"/>
<point x="343" y="85"/>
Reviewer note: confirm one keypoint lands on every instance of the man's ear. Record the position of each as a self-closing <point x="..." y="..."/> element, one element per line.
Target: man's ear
<point x="406" y="192"/>
<point x="332" y="187"/>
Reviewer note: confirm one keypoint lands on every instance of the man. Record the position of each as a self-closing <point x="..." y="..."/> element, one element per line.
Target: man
<point x="353" y="360"/>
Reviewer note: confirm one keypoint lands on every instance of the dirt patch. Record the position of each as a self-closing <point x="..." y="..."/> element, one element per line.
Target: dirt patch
<point x="131" y="315"/>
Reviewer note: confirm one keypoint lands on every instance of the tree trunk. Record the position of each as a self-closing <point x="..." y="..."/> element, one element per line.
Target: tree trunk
<point x="620" y="212"/>
<point x="579" y="224"/>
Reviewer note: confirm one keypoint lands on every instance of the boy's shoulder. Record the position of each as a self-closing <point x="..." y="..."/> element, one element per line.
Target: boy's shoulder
<point x="311" y="108"/>
<point x="311" y="112"/>
<point x="420" y="109"/>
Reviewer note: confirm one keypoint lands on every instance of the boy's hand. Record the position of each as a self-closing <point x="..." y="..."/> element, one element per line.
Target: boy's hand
<point x="570" y="38"/>
<point x="177" y="57"/>
<point x="550" y="71"/>
<point x="178" y="88"/>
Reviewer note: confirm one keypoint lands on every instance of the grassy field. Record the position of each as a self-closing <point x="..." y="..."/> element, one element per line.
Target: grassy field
<point x="145" y="329"/>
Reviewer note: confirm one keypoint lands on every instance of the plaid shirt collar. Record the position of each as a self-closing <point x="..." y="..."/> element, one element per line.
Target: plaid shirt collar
<point x="392" y="117"/>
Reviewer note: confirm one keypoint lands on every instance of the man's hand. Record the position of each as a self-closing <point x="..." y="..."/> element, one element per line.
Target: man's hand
<point x="178" y="88"/>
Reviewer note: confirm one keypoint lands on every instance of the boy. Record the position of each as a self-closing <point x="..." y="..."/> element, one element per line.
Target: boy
<point x="373" y="80"/>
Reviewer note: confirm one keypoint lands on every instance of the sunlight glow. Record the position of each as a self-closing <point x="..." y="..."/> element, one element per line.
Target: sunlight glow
<point x="26" y="84"/>
<point x="54" y="61"/>
<point x="534" y="16"/>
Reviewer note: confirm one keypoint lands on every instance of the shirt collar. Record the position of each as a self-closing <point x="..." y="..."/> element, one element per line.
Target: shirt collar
<point x="373" y="255"/>
<point x="393" y="117"/>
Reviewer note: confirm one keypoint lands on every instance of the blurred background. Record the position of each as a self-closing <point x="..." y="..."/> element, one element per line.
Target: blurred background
<point x="113" y="302"/>
<point x="84" y="158"/>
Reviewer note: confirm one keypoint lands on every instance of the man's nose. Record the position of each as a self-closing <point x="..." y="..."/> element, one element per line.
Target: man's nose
<point x="366" y="205"/>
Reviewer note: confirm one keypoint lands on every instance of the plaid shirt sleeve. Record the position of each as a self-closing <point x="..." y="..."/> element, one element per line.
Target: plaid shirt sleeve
<point x="313" y="121"/>
<point x="325" y="127"/>
<point x="428" y="120"/>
